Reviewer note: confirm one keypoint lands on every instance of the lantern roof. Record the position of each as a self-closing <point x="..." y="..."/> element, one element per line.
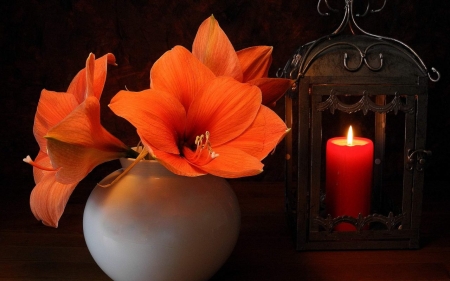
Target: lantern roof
<point x="364" y="54"/>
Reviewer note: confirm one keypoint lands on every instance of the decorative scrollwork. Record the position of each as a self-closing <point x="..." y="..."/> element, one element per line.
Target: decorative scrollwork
<point x="391" y="222"/>
<point x="371" y="10"/>
<point x="328" y="6"/>
<point x="417" y="158"/>
<point x="355" y="68"/>
<point x="363" y="58"/>
<point x="380" y="9"/>
<point x="374" y="68"/>
<point x="365" y="104"/>
<point x="347" y="3"/>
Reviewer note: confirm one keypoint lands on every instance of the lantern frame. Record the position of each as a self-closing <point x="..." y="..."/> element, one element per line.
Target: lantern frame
<point x="382" y="76"/>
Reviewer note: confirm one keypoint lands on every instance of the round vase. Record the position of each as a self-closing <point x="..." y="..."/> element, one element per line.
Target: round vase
<point x="155" y="225"/>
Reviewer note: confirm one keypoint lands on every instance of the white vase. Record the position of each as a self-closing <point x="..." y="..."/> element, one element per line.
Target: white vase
<point x="155" y="225"/>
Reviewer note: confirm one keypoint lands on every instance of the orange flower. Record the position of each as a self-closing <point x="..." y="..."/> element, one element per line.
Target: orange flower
<point x="196" y="123"/>
<point x="213" y="48"/>
<point x="53" y="107"/>
<point x="71" y="140"/>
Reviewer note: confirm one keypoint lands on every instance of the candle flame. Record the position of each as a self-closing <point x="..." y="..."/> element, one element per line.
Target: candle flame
<point x="350" y="136"/>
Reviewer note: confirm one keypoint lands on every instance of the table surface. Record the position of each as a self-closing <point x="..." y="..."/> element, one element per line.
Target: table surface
<point x="264" y="250"/>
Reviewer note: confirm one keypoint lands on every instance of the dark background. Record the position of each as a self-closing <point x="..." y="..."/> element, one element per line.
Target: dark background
<point x="45" y="43"/>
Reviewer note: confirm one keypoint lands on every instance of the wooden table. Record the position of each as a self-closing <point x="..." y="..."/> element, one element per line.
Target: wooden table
<point x="264" y="251"/>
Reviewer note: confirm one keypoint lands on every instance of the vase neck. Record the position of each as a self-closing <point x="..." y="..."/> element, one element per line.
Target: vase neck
<point x="145" y="167"/>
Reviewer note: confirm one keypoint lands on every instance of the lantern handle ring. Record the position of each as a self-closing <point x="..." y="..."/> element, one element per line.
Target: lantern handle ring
<point x="437" y="73"/>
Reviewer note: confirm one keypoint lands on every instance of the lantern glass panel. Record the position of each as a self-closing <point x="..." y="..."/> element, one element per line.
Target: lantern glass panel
<point x="391" y="187"/>
<point x="388" y="159"/>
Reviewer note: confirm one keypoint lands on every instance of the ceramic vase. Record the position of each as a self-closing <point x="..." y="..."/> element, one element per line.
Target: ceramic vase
<point x="155" y="225"/>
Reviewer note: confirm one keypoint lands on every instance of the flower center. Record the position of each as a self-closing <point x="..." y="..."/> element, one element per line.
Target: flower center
<point x="203" y="142"/>
<point x="198" y="152"/>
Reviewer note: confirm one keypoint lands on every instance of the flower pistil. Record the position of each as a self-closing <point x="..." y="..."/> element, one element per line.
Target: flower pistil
<point x="34" y="164"/>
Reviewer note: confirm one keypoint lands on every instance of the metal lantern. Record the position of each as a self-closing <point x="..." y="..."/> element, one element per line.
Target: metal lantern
<point x="377" y="85"/>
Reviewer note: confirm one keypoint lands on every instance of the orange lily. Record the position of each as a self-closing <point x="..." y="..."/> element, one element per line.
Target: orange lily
<point x="213" y="48"/>
<point x="195" y="123"/>
<point x="71" y="140"/>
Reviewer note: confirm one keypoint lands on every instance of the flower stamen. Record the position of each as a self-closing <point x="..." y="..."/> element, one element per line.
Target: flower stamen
<point x="201" y="142"/>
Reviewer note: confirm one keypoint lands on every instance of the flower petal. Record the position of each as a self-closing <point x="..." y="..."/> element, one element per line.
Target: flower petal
<point x="158" y="116"/>
<point x="272" y="89"/>
<point x="52" y="108"/>
<point x="79" y="85"/>
<point x="255" y="61"/>
<point x="233" y="163"/>
<point x="79" y="143"/>
<point x="177" y="164"/>
<point x="75" y="161"/>
<point x="82" y="127"/>
<point x="178" y="72"/>
<point x="225" y="108"/>
<point x="213" y="48"/>
<point x="262" y="136"/>
<point x="200" y="156"/>
<point x="41" y="159"/>
<point x="90" y="72"/>
<point x="49" y="198"/>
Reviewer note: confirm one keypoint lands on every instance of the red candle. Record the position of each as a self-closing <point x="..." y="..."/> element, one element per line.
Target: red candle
<point x="348" y="177"/>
